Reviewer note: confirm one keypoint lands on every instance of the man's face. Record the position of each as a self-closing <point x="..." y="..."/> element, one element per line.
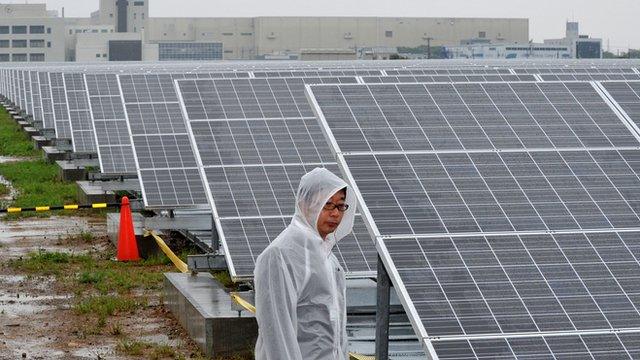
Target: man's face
<point x="329" y="220"/>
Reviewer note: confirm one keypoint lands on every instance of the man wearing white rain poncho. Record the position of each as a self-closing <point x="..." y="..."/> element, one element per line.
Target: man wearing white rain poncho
<point x="299" y="284"/>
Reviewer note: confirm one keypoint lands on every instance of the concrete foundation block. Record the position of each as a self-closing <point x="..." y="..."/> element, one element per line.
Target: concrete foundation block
<point x="204" y="309"/>
<point x="90" y="193"/>
<point x="68" y="171"/>
<point x="53" y="154"/>
<point x="31" y="131"/>
<point x="40" y="141"/>
<point x="146" y="245"/>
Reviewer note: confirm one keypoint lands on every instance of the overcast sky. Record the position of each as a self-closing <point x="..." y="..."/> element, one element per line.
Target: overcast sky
<point x="615" y="21"/>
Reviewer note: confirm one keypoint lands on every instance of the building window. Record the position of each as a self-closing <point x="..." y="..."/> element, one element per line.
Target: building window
<point x="190" y="51"/>
<point x="4" y="57"/>
<point x="95" y="31"/>
<point x="48" y="44"/>
<point x="111" y="15"/>
<point x="104" y="31"/>
<point x="482" y="34"/>
<point x="70" y="32"/>
<point x="104" y="55"/>
<point x="4" y="43"/>
<point x="4" y="29"/>
<point x="19" y="29"/>
<point x="36" y="29"/>
<point x="78" y="31"/>
<point x="227" y="34"/>
<point x="36" y="43"/>
<point x="48" y="30"/>
<point x="38" y="57"/>
<point x="19" y="57"/>
<point x="97" y="55"/>
<point x="138" y="3"/>
<point x="388" y="33"/>
<point x="19" y="43"/>
<point x="246" y="34"/>
<point x="142" y="16"/>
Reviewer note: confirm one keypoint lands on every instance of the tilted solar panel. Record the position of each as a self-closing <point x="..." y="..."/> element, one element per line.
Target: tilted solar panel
<point x="114" y="148"/>
<point x="254" y="142"/>
<point x="501" y="241"/>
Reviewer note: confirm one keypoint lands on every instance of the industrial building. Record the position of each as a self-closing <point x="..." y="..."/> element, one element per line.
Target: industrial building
<point x="572" y="46"/>
<point x="123" y="30"/>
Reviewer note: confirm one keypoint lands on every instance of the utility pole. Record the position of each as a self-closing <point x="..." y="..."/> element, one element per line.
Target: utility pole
<point x="429" y="47"/>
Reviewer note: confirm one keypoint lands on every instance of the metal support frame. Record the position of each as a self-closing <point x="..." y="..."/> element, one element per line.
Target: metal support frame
<point x="206" y="262"/>
<point x="383" y="312"/>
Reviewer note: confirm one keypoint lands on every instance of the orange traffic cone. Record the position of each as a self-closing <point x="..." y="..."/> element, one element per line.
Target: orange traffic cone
<point x="127" y="246"/>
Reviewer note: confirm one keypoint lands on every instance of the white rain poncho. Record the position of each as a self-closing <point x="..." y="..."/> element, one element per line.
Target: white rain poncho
<point x="299" y="284"/>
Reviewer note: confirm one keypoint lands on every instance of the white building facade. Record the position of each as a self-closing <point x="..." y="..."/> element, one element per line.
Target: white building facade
<point x="29" y="33"/>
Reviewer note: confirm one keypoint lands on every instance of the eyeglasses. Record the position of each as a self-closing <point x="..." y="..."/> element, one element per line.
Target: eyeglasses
<point x="331" y="206"/>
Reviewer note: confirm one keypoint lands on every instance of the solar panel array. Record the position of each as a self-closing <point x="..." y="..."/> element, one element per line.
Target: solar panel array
<point x="507" y="214"/>
<point x="115" y="151"/>
<point x="255" y="138"/>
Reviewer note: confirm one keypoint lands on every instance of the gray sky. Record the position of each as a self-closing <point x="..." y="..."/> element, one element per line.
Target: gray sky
<point x="611" y="20"/>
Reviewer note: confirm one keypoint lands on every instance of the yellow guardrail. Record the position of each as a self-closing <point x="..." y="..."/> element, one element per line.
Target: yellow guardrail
<point x="167" y="251"/>
<point x="242" y="302"/>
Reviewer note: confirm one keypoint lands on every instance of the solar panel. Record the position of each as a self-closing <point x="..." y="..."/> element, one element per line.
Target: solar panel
<point x="472" y="116"/>
<point x="113" y="141"/>
<point x="166" y="162"/>
<point x="461" y="71"/>
<point x="255" y="141"/>
<point x="48" y="121"/>
<point x="444" y="78"/>
<point x="82" y="136"/>
<point x="497" y="243"/>
<point x="35" y="97"/>
<point x="575" y="70"/>
<point x="60" y="106"/>
<point x="626" y="95"/>
<point x="589" y="77"/>
<point x="315" y="73"/>
<point x="21" y="86"/>
<point x="587" y="346"/>
<point x="27" y="93"/>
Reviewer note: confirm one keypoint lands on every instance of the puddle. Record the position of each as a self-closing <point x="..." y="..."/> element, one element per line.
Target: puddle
<point x="15" y="305"/>
<point x="30" y="232"/>
<point x="94" y="352"/>
<point x="35" y="349"/>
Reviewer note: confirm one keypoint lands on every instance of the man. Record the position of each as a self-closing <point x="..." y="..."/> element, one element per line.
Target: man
<point x="300" y="286"/>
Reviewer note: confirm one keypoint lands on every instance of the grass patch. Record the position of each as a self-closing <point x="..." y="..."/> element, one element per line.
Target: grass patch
<point x="48" y="263"/>
<point x="106" y="305"/>
<point x="37" y="185"/>
<point x="149" y="350"/>
<point x="4" y="190"/>
<point x="13" y="141"/>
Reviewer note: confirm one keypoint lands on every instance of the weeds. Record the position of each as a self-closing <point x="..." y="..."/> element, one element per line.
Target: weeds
<point x="13" y="141"/>
<point x="37" y="185"/>
<point x="106" y="305"/>
<point x="4" y="190"/>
